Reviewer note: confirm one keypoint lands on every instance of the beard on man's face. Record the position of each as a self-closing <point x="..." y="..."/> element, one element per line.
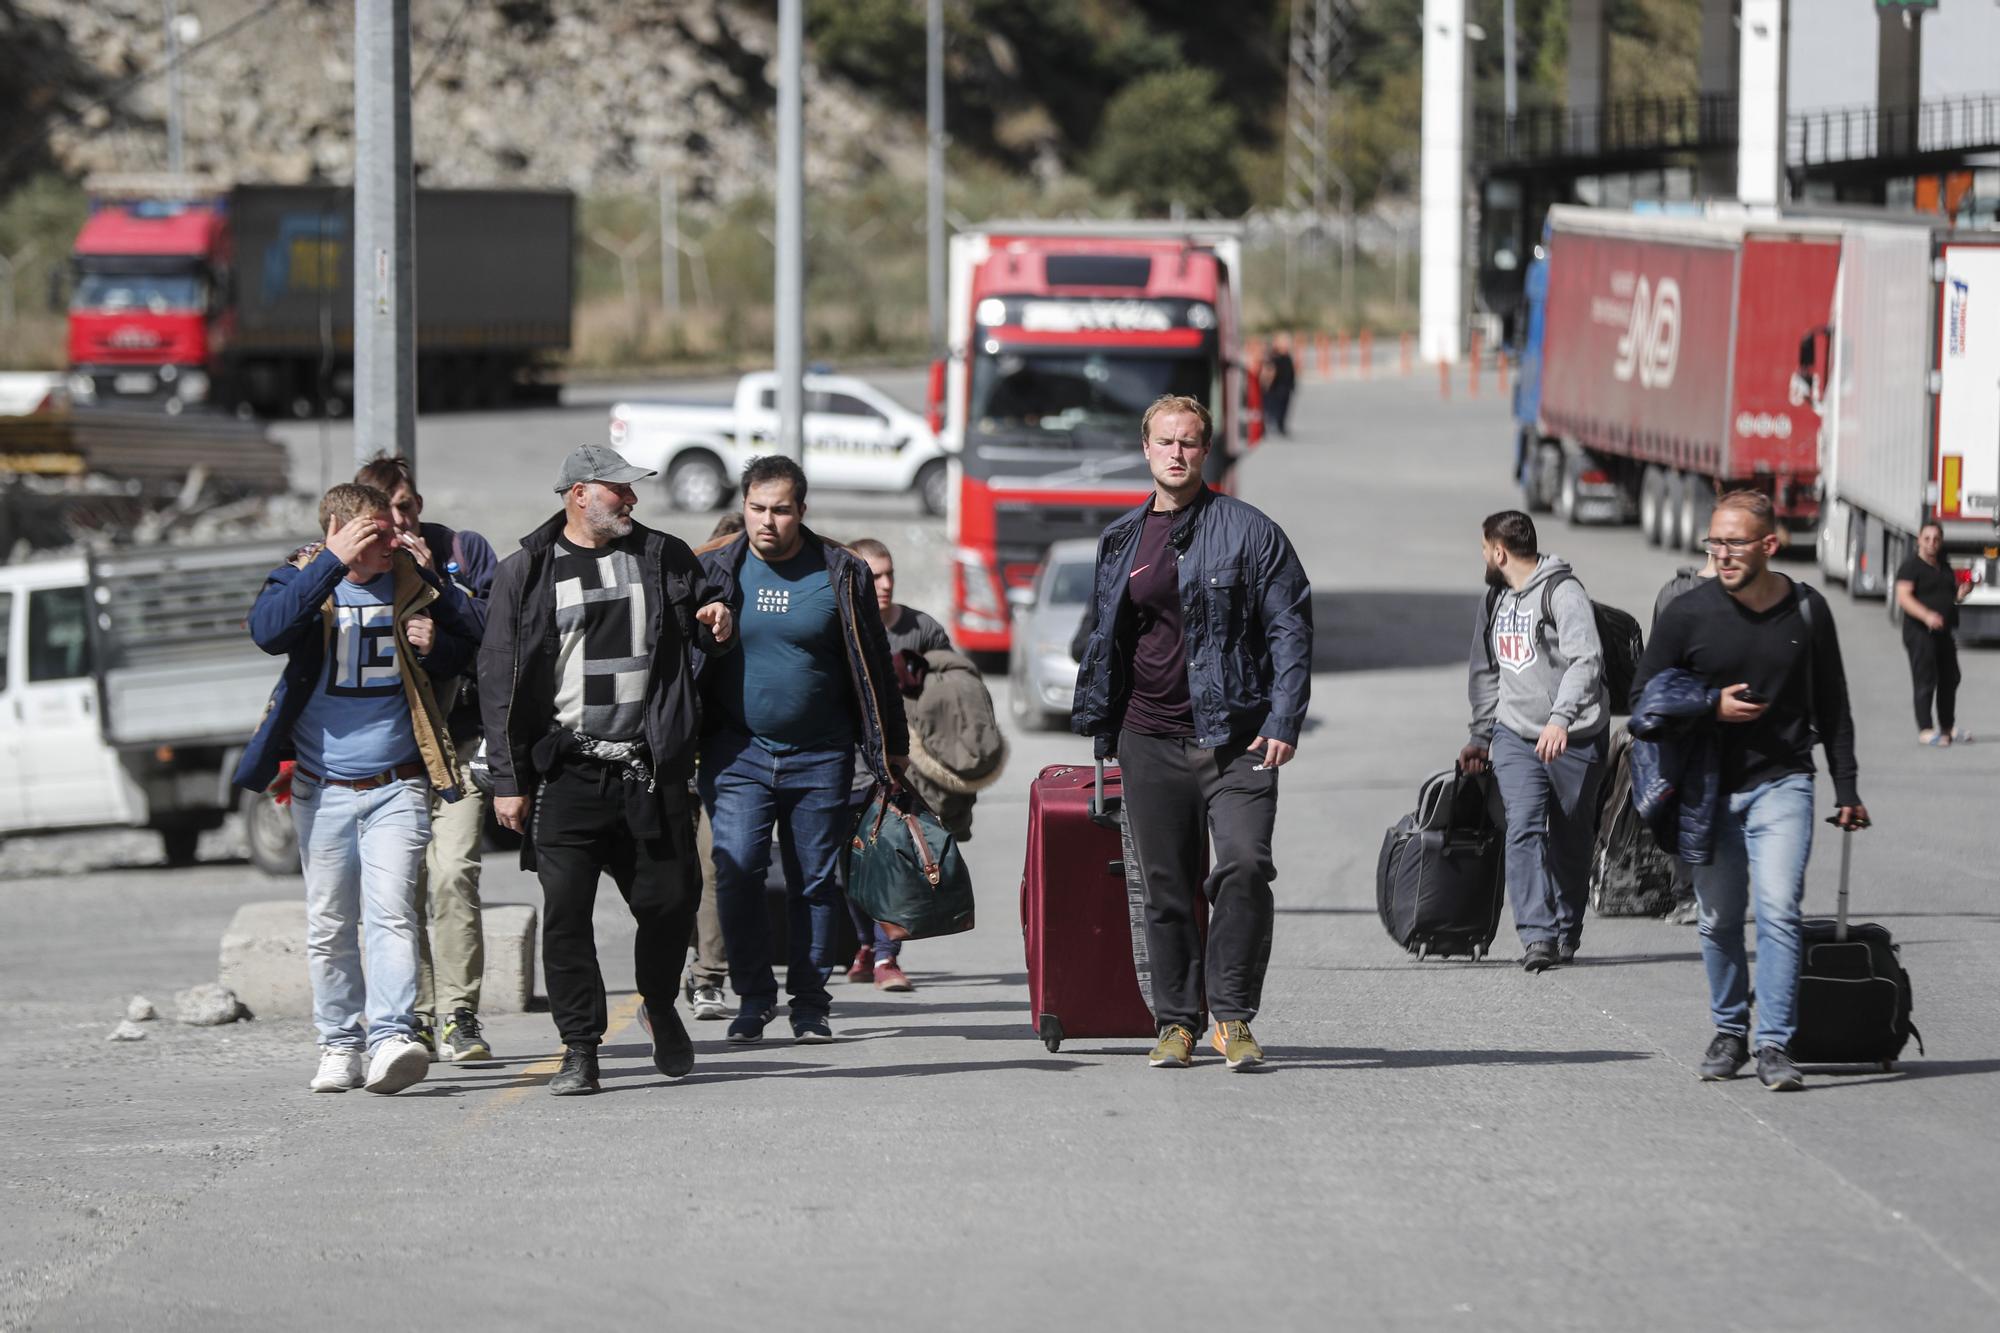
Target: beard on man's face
<point x="607" y="520"/>
<point x="1494" y="578"/>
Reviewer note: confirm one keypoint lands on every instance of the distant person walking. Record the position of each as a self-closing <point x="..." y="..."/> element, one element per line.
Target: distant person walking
<point x="1539" y="717"/>
<point x="587" y="689"/>
<point x="708" y="968"/>
<point x="368" y="630"/>
<point x="1196" y="675"/>
<point x="452" y="950"/>
<point x="1928" y="592"/>
<point x="1766" y="650"/>
<point x="1280" y="377"/>
<point x="813" y="687"/>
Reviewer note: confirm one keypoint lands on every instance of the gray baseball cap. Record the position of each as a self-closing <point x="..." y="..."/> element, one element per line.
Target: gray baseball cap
<point x="597" y="462"/>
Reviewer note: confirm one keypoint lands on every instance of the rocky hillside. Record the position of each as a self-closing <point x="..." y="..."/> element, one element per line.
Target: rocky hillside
<point x="594" y="95"/>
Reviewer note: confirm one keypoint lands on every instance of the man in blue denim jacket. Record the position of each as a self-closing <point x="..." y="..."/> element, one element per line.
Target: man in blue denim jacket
<point x="1196" y="672"/>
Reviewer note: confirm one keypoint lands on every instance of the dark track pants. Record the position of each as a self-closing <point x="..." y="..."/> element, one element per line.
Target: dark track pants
<point x="1177" y="796"/>
<point x="1933" y="673"/>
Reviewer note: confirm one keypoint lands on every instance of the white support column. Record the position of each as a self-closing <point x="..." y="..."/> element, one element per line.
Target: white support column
<point x="1589" y="72"/>
<point x="1442" y="276"/>
<point x="1760" y="151"/>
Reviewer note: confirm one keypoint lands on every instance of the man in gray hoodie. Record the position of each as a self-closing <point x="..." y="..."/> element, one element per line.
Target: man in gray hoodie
<point x="1539" y="718"/>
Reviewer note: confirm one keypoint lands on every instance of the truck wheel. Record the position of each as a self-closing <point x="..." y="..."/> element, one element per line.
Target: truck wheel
<point x="934" y="487"/>
<point x="1572" y="474"/>
<point x="695" y="483"/>
<point x="267" y="827"/>
<point x="1894" y="552"/>
<point x="1649" y="505"/>
<point x="1697" y="505"/>
<point x="1671" y="487"/>
<point x="179" y="844"/>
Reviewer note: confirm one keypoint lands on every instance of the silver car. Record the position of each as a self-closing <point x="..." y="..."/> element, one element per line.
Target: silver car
<point x="1040" y="672"/>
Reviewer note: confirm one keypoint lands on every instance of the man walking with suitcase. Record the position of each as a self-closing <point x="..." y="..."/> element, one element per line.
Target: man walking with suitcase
<point x="1196" y="675"/>
<point x="1539" y="717"/>
<point x="1767" y="649"/>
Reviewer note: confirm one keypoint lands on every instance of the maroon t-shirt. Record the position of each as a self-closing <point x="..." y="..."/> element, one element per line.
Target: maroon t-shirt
<point x="1159" y="705"/>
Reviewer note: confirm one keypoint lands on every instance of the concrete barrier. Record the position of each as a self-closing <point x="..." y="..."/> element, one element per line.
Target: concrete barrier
<point x="264" y="959"/>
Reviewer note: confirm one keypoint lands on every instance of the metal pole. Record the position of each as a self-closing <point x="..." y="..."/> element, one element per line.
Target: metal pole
<point x="1507" y="54"/>
<point x="791" y="323"/>
<point x="670" y="246"/>
<point x="174" y="155"/>
<point x="934" y="194"/>
<point x="385" y="404"/>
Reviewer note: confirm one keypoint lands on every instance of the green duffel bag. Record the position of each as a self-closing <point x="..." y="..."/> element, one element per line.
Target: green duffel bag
<point x="907" y="873"/>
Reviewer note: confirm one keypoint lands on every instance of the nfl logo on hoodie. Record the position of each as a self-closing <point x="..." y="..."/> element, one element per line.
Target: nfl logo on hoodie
<point x="1513" y="638"/>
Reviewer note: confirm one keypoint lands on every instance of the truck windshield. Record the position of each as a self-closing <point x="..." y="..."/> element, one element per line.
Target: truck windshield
<point x="156" y="293"/>
<point x="1077" y="399"/>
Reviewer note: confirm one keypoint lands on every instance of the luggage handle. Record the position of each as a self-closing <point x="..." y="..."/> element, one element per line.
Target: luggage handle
<point x="1840" y="910"/>
<point x="1102" y="812"/>
<point x="1454" y="839"/>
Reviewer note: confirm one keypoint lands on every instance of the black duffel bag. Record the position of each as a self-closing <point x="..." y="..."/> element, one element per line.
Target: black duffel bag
<point x="1442" y="872"/>
<point x="907" y="872"/>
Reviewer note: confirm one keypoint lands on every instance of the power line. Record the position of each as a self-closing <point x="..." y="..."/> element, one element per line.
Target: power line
<point x="438" y="51"/>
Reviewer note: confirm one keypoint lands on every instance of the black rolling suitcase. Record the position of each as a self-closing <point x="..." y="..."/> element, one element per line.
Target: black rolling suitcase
<point x="1629" y="874"/>
<point x="1442" y="872"/>
<point x="1854" y="996"/>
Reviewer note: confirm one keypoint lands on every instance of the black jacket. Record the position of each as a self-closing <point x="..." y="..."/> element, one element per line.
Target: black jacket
<point x="871" y="672"/>
<point x="517" y="658"/>
<point x="1246" y="624"/>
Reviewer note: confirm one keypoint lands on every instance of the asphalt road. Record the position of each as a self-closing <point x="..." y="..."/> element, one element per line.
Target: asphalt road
<point x="1433" y="1146"/>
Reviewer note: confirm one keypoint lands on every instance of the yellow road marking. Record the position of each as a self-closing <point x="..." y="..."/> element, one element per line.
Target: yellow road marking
<point x="624" y="1014"/>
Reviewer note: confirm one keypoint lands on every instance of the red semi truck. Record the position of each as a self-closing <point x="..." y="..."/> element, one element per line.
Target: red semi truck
<point x="1061" y="335"/>
<point x="188" y="293"/>
<point x="1667" y="359"/>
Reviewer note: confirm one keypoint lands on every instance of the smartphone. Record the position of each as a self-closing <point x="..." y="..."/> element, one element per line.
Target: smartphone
<point x="1750" y="696"/>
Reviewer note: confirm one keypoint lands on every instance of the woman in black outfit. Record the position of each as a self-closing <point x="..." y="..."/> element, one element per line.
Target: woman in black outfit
<point x="1929" y="593"/>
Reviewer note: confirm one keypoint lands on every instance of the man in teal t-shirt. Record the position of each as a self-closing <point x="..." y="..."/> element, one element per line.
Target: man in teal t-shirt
<point x="813" y="687"/>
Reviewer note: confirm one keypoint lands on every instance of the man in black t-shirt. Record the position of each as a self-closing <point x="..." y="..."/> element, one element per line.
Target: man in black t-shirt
<point x="1928" y="593"/>
<point x="1196" y="673"/>
<point x="1767" y="649"/>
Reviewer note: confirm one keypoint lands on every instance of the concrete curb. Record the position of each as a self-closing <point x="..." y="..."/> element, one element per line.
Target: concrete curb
<point x="264" y="959"/>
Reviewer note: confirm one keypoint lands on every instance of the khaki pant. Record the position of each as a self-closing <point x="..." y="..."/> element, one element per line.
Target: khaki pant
<point x="711" y="965"/>
<point x="448" y="905"/>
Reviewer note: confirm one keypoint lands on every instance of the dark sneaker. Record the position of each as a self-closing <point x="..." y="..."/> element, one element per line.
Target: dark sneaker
<point x="1539" y="956"/>
<point x="1237" y="1046"/>
<point x="1175" y="1050"/>
<point x="462" y="1039"/>
<point x="748" y="1025"/>
<point x="1776" y="1071"/>
<point x="1727" y="1054"/>
<point x="862" y="970"/>
<point x="673" y="1050"/>
<point x="889" y="976"/>
<point x="810" y="1029"/>
<point x="1566" y="952"/>
<point x="425" y="1035"/>
<point x="578" y="1075"/>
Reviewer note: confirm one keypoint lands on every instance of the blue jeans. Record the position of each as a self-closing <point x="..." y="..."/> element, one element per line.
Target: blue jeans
<point x="1551" y="828"/>
<point x="361" y="852"/>
<point x="749" y="791"/>
<point x="1763" y="838"/>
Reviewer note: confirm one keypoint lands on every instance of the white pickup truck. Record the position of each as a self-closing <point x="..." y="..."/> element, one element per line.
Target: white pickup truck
<point x="857" y="438"/>
<point x="128" y="688"/>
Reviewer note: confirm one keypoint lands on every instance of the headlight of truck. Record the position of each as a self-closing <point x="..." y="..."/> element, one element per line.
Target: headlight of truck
<point x="194" y="386"/>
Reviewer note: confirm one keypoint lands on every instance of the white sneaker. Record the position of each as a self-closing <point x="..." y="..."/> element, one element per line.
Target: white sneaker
<point x="708" y="1002"/>
<point x="396" y="1064"/>
<point x="339" y="1069"/>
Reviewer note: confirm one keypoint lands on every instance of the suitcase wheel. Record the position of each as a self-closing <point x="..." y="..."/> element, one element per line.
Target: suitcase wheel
<point x="1422" y="951"/>
<point x="1478" y="952"/>
<point x="1051" y="1032"/>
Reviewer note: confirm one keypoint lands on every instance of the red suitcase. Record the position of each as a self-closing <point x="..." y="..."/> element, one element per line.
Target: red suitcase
<point x="1081" y="911"/>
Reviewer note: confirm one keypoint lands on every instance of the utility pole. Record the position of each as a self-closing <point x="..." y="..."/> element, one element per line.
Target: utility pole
<point x="175" y="158"/>
<point x="791" y="303"/>
<point x="670" y="247"/>
<point x="1512" y="95"/>
<point x="385" y="401"/>
<point x="934" y="188"/>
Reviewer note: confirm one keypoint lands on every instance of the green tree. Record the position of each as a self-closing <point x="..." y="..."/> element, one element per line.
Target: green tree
<point x="1168" y="138"/>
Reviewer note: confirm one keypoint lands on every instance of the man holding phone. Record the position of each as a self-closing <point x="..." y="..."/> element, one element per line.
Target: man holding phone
<point x="1195" y="670"/>
<point x="1768" y="649"/>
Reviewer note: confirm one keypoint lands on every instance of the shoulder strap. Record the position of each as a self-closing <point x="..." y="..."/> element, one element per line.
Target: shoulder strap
<point x="1548" y="620"/>
<point x="1805" y="591"/>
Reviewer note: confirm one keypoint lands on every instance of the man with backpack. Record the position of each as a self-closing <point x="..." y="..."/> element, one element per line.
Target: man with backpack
<point x="1540" y="720"/>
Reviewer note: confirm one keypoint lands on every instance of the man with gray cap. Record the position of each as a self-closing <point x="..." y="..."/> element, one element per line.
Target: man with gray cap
<point x="588" y="699"/>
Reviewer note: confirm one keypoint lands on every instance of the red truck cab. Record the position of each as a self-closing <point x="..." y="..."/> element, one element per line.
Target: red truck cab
<point x="146" y="320"/>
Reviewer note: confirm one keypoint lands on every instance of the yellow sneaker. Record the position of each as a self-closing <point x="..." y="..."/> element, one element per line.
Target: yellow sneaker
<point x="1237" y="1045"/>
<point x="1175" y="1050"/>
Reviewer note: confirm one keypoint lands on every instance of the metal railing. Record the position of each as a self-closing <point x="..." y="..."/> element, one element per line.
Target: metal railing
<point x="1638" y="125"/>
<point x="1857" y="134"/>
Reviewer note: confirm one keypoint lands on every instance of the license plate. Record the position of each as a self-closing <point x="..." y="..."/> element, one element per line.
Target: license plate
<point x="136" y="382"/>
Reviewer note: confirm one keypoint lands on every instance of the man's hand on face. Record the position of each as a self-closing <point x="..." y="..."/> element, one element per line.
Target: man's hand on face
<point x="720" y="622"/>
<point x="353" y="540"/>
<point x="422" y="632"/>
<point x="419" y="549"/>
<point x="1552" y="743"/>
<point x="511" y="812"/>
<point x="1276" y="753"/>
